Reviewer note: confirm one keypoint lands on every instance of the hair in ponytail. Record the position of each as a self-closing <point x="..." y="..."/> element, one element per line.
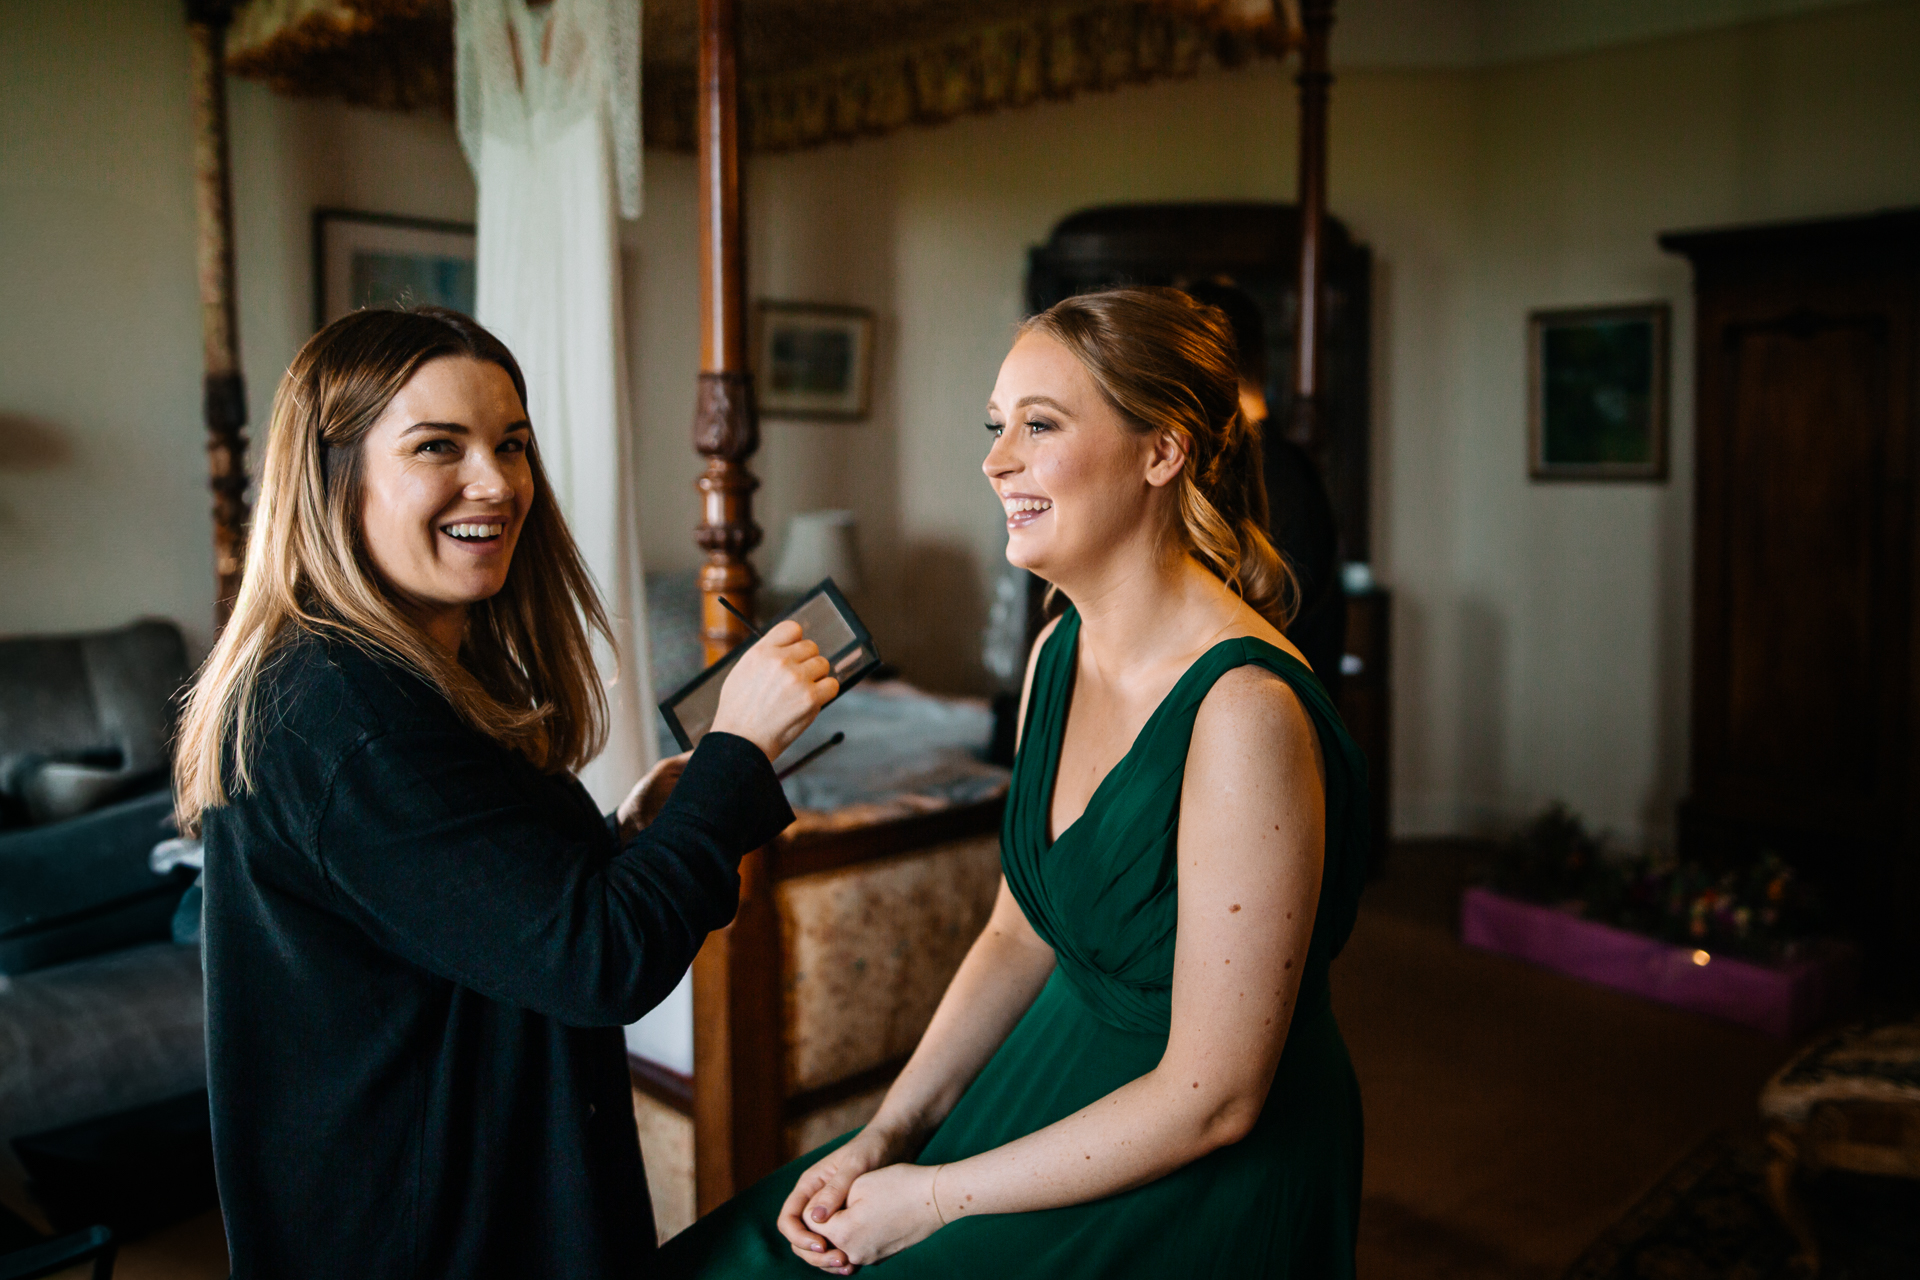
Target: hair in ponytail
<point x="1168" y="363"/>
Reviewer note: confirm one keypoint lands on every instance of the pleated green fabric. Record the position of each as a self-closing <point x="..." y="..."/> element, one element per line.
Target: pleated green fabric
<point x="1285" y="1200"/>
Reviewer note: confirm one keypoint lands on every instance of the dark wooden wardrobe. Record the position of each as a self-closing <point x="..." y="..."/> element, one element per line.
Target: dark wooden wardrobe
<point x="1805" y="650"/>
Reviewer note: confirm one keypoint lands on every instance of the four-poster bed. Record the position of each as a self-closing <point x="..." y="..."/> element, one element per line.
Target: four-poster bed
<point x="851" y="922"/>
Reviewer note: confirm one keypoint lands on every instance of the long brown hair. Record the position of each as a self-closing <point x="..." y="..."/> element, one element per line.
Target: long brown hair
<point x="1167" y="363"/>
<point x="525" y="676"/>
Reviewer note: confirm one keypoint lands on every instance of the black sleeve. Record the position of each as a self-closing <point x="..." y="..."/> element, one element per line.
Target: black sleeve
<point x="435" y="849"/>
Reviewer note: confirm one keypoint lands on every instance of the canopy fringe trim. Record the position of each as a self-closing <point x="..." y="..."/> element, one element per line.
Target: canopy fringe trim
<point x="398" y="55"/>
<point x="1052" y="55"/>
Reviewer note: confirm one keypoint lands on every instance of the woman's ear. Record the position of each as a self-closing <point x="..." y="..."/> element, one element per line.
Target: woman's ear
<point x="1166" y="458"/>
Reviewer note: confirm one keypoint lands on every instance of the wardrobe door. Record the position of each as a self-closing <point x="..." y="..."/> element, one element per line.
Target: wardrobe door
<point x="1803" y="723"/>
<point x="1804" y="644"/>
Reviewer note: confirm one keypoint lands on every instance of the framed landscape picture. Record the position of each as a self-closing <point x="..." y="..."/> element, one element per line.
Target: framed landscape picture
<point x="1597" y="393"/>
<point x="813" y="361"/>
<point x="379" y="260"/>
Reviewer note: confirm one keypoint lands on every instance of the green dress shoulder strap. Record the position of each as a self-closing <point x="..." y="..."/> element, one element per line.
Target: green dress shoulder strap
<point x="1104" y="895"/>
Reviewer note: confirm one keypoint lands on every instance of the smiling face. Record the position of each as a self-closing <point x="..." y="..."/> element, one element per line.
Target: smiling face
<point x="1077" y="484"/>
<point x="447" y="485"/>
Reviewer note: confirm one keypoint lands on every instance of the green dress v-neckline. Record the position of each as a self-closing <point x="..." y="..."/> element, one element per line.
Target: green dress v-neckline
<point x="1072" y="653"/>
<point x="1104" y="894"/>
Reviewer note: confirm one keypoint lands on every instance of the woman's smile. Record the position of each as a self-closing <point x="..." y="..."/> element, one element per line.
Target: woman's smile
<point x="1024" y="509"/>
<point x="481" y="536"/>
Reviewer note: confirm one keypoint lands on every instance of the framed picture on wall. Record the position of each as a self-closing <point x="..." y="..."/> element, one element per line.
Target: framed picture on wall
<point x="813" y="361"/>
<point x="381" y="260"/>
<point x="1597" y="393"/>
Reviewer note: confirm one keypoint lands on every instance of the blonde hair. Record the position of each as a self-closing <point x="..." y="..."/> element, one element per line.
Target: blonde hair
<point x="525" y="676"/>
<point x="1167" y="363"/>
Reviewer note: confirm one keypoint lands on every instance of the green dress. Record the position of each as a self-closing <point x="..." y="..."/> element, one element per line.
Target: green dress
<point x="1285" y="1200"/>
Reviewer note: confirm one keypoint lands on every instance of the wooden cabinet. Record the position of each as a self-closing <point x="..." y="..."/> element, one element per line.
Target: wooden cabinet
<point x="1365" y="700"/>
<point x="1804" y="643"/>
<point x="1254" y="246"/>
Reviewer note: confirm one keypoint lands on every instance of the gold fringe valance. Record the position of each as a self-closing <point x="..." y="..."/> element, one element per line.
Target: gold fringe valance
<point x="1053" y="54"/>
<point x="392" y="54"/>
<point x="812" y="71"/>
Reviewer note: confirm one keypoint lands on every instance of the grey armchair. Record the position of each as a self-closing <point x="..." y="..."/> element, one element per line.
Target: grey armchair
<point x="84" y="728"/>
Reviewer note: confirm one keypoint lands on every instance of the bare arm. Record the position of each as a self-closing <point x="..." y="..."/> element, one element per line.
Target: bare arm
<point x="990" y="992"/>
<point x="1251" y="840"/>
<point x="994" y="986"/>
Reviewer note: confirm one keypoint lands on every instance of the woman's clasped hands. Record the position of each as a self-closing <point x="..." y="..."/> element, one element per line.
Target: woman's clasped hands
<point x="859" y="1205"/>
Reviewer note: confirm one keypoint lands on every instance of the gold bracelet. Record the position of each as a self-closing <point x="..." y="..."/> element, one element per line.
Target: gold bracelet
<point x="936" y="1195"/>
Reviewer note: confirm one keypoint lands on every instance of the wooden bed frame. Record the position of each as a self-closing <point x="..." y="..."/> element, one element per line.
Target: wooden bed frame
<point x="741" y="1102"/>
<point x="744" y="1105"/>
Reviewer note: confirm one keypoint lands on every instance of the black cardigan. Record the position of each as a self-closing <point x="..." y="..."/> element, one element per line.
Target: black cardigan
<point x="419" y="954"/>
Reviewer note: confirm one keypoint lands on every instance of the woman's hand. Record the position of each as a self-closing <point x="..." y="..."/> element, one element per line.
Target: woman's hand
<point x="888" y="1209"/>
<point x="643" y="803"/>
<point x="775" y="690"/>
<point x="822" y="1191"/>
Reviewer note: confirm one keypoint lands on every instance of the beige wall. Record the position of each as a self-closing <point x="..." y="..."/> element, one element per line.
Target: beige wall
<point x="103" y="497"/>
<point x="101" y="482"/>
<point x="1547" y="656"/>
<point x="1541" y="631"/>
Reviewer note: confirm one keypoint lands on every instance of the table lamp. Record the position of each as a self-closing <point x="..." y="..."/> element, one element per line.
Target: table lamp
<point x="820" y="544"/>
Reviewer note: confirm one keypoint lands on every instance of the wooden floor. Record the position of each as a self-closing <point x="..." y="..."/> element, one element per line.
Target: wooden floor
<point x="1511" y="1113"/>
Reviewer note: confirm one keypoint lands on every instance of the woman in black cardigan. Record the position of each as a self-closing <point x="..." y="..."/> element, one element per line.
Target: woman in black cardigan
<point x="422" y="938"/>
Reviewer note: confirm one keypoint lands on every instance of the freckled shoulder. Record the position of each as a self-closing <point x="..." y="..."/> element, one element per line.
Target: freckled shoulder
<point x="1251" y="704"/>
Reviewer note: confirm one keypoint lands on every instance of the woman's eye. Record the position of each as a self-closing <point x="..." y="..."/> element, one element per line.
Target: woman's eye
<point x="995" y="428"/>
<point x="441" y="446"/>
<point x="513" y="446"/>
<point x="1037" y="425"/>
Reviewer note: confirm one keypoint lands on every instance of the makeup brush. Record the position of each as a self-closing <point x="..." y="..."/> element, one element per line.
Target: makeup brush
<point x="811" y="756"/>
<point x="752" y="630"/>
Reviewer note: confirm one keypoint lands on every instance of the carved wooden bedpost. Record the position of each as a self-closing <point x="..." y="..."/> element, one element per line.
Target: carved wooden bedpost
<point x="725" y="427"/>
<point x="738" y="1090"/>
<point x="1316" y="20"/>
<point x="224" y="402"/>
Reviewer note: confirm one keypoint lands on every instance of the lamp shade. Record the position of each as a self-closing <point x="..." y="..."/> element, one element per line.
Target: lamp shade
<point x="820" y="544"/>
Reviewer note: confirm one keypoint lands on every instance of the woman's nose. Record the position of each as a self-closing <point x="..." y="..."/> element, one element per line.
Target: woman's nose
<point x="1001" y="459"/>
<point x="486" y="482"/>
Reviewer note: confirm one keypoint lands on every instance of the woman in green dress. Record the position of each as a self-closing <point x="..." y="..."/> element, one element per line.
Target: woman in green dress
<point x="1136" y="1070"/>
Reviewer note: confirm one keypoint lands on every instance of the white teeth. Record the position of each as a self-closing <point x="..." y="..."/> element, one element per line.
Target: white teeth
<point x="1016" y="506"/>
<point x="476" y="530"/>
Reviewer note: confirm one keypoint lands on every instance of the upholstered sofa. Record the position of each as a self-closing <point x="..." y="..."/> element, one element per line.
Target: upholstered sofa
<point x="100" y="1011"/>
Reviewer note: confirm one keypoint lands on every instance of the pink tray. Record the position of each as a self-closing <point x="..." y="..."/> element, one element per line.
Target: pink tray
<point x="1781" y="1000"/>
